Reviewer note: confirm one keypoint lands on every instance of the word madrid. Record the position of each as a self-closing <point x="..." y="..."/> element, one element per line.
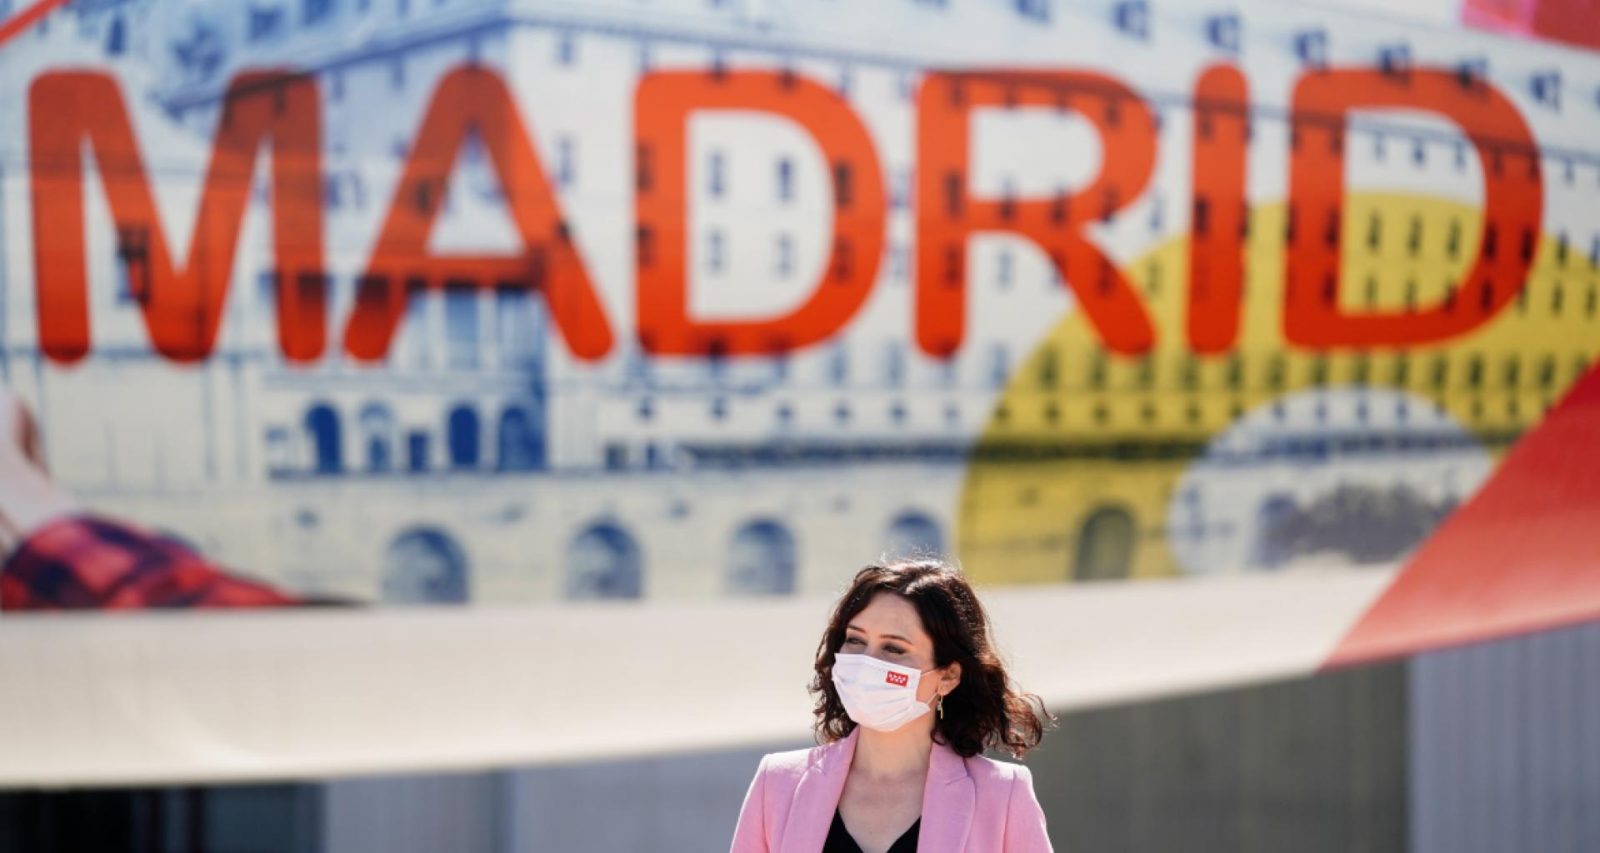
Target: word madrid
<point x="73" y="111"/>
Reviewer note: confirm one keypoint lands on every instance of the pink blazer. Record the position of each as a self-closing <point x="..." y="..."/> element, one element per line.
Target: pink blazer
<point x="968" y="804"/>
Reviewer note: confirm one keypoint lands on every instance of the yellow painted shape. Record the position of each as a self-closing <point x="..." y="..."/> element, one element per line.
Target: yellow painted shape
<point x="1134" y="425"/>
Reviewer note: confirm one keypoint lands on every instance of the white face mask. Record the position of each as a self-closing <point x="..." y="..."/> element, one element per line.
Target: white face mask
<point x="879" y="695"/>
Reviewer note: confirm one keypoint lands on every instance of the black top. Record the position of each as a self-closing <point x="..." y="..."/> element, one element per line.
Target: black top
<point x="839" y="840"/>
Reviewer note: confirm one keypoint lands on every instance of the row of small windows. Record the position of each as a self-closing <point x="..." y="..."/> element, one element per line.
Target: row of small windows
<point x="898" y="413"/>
<point x="133" y="259"/>
<point x="519" y="440"/>
<point x="517" y="332"/>
<point x="606" y="561"/>
<point x="516" y="318"/>
<point x="272" y="20"/>
<point x="1557" y="304"/>
<point x="837" y="366"/>
<point x="565" y="170"/>
<point x="1440" y="372"/>
<point x="1541" y="373"/>
<point x="717" y="184"/>
<point x="782" y="253"/>
<point x="1150" y="414"/>
<point x="718" y="409"/>
<point x="1472" y="371"/>
<point x="619" y="456"/>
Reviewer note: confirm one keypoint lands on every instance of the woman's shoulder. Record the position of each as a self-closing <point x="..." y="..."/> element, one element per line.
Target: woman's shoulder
<point x="986" y="769"/>
<point x="794" y="762"/>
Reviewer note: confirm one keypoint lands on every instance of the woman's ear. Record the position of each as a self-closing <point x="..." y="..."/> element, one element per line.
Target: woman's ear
<point x="951" y="677"/>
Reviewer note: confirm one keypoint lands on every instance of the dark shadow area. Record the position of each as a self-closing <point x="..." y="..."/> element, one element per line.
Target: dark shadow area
<point x="220" y="819"/>
<point x="1307" y="765"/>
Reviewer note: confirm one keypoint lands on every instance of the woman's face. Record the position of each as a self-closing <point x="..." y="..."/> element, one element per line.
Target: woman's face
<point x="890" y="629"/>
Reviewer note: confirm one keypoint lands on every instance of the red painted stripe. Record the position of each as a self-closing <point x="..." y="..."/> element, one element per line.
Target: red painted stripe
<point x="1570" y="21"/>
<point x="27" y="18"/>
<point x="1522" y="555"/>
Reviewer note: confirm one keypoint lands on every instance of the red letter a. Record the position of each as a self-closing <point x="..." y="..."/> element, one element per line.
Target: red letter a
<point x="467" y="100"/>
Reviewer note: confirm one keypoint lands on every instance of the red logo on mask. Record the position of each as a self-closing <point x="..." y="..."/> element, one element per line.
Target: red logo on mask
<point x="897" y="679"/>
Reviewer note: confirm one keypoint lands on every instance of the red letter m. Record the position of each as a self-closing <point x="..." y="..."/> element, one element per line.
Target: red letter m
<point x="182" y="306"/>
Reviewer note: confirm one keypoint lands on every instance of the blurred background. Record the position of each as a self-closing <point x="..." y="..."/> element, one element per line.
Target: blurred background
<point x="671" y="303"/>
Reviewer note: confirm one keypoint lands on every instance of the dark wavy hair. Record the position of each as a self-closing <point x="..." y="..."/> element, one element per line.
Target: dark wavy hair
<point x="985" y="711"/>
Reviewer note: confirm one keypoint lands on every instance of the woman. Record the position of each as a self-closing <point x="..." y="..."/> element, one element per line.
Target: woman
<point x="909" y="693"/>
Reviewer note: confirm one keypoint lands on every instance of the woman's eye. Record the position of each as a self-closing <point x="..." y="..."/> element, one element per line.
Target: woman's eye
<point x="893" y="650"/>
<point x="852" y="641"/>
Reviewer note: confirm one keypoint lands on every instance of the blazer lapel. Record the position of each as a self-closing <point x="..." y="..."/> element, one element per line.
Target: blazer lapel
<point x="947" y="803"/>
<point x="816" y="796"/>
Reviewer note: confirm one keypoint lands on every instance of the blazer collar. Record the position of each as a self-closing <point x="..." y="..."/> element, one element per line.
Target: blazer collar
<point x="947" y="803"/>
<point x="817" y="794"/>
<point x="947" y="799"/>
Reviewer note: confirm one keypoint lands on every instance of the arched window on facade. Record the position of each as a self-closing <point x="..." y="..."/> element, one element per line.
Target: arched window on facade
<point x="117" y="38"/>
<point x="1105" y="545"/>
<point x="1275" y="531"/>
<point x="604" y="561"/>
<point x="762" y="559"/>
<point x="322" y="425"/>
<point x="521" y="441"/>
<point x="279" y="452"/>
<point x="377" y="437"/>
<point x="425" y="565"/>
<point x="914" y="533"/>
<point x="462" y="429"/>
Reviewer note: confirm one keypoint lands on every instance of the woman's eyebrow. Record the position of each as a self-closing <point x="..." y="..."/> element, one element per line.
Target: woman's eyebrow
<point x="889" y="636"/>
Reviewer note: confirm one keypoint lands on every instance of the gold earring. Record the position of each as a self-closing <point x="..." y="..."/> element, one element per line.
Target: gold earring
<point x="941" y="706"/>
